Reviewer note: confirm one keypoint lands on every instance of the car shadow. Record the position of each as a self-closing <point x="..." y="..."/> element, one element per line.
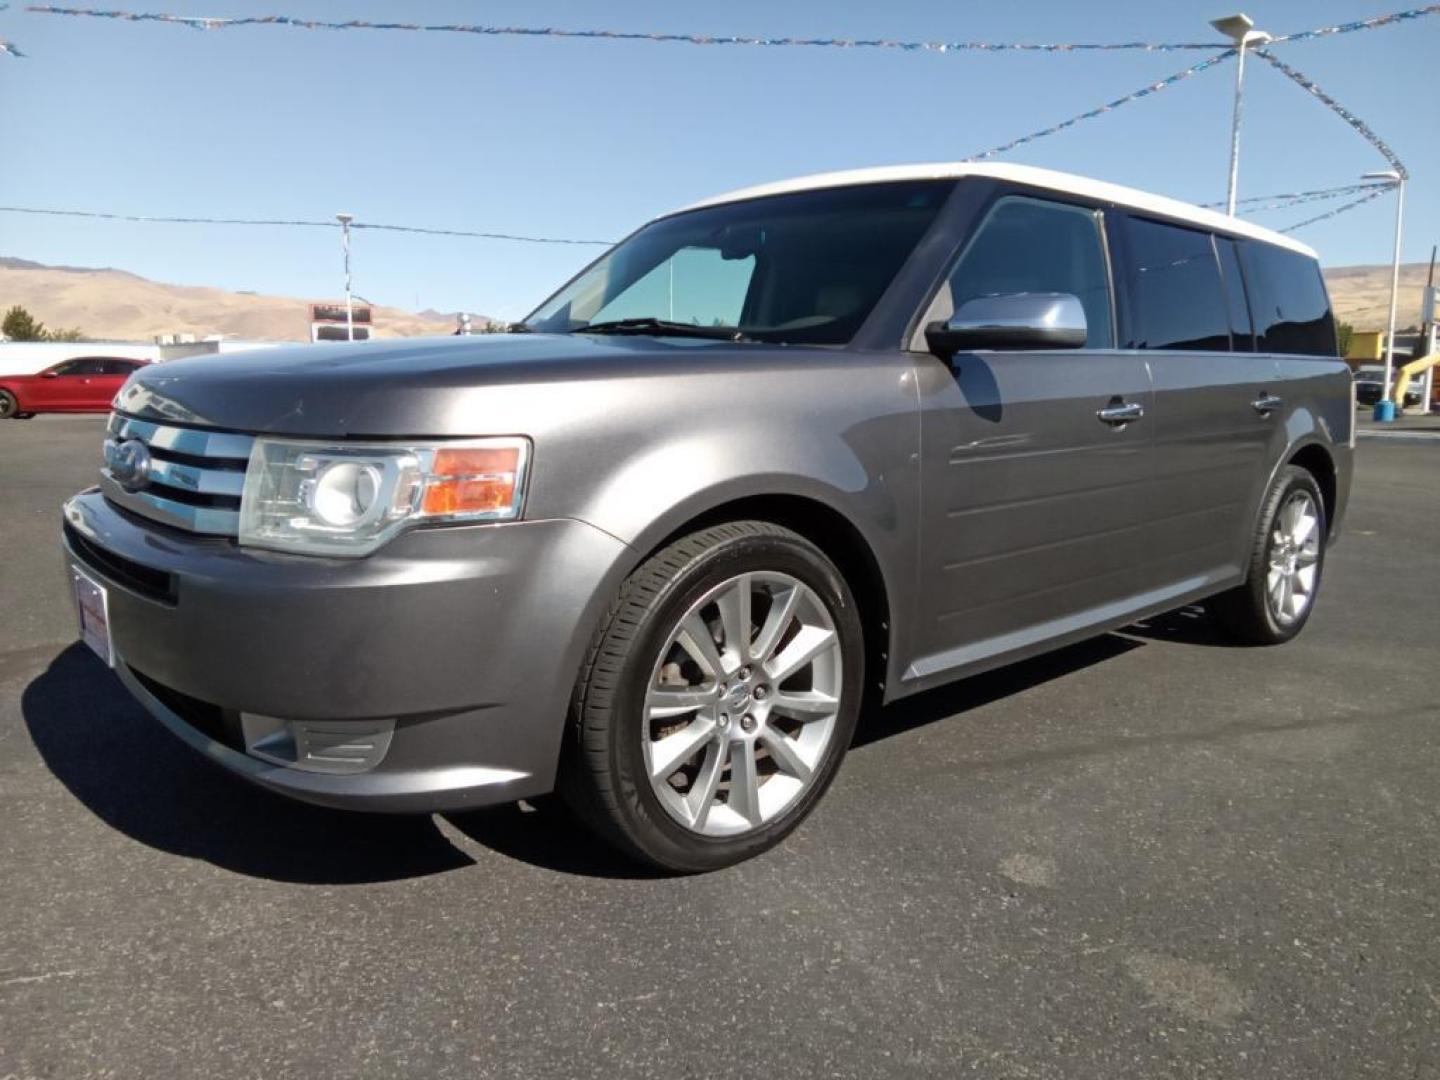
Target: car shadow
<point x="947" y="701"/>
<point x="138" y="778"/>
<point x="1189" y="625"/>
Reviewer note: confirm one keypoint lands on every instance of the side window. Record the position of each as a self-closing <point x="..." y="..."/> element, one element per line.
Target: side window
<point x="1288" y="299"/>
<point x="1242" y="334"/>
<point x="69" y="367"/>
<point x="117" y="367"/>
<point x="90" y="365"/>
<point x="1175" y="288"/>
<point x="1028" y="245"/>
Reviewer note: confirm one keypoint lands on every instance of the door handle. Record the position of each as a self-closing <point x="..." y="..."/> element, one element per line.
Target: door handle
<point x="1265" y="404"/>
<point x="1119" y="413"/>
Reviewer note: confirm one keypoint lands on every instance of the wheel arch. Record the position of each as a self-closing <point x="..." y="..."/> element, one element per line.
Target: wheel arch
<point x="1315" y="458"/>
<point x="833" y="533"/>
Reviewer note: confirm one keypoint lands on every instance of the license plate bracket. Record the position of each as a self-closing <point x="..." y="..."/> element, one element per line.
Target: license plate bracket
<point x="92" y="604"/>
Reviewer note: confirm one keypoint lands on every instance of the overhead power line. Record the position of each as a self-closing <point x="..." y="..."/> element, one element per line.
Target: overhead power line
<point x="150" y="219"/>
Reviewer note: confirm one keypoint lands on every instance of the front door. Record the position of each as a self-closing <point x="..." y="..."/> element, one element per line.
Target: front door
<point x="1033" y="502"/>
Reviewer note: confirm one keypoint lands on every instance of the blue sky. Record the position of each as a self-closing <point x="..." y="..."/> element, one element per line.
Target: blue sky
<point x="587" y="139"/>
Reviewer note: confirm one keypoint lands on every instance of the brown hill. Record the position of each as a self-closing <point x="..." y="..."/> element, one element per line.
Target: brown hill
<point x="116" y="305"/>
<point x="1361" y="294"/>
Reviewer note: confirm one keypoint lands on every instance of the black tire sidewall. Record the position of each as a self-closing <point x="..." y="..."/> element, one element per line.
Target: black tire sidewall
<point x="9" y="406"/>
<point x="665" y="840"/>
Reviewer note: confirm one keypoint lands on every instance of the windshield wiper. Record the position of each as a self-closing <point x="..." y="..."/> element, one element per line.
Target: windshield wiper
<point x="661" y="327"/>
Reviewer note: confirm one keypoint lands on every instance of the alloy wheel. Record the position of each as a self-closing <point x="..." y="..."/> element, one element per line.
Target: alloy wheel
<point x="742" y="704"/>
<point x="1293" y="563"/>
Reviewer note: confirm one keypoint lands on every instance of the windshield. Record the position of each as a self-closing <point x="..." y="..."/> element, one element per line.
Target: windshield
<point x="804" y="268"/>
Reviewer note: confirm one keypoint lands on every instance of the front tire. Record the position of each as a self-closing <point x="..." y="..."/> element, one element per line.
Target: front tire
<point x="718" y="699"/>
<point x="1286" y="561"/>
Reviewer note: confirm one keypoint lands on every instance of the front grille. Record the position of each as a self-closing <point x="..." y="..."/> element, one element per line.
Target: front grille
<point x="137" y="577"/>
<point x="194" y="480"/>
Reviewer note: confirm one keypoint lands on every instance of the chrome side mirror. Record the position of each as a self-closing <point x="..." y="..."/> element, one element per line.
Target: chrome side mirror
<point x="1011" y="321"/>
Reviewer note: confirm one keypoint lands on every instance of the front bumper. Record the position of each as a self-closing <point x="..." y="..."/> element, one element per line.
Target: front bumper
<point x="461" y="643"/>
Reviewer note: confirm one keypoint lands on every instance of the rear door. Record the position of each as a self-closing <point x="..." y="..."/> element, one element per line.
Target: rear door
<point x="1033" y="506"/>
<point x="1216" y="412"/>
<point x="104" y="385"/>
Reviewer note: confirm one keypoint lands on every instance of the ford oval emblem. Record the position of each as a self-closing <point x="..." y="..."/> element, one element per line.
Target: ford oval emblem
<point x="129" y="464"/>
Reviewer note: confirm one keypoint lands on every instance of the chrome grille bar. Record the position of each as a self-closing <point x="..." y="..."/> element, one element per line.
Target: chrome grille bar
<point x="194" y="480"/>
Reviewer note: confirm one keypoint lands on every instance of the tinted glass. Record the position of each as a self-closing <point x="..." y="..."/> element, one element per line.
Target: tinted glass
<point x="1027" y="246"/>
<point x="1242" y="336"/>
<point x="807" y="267"/>
<point x="89" y="365"/>
<point x="1175" y="289"/>
<point x="118" y="367"/>
<point x="1287" y="297"/>
<point x="695" y="285"/>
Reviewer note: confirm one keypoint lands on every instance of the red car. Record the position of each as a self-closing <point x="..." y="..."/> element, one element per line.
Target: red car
<point x="84" y="384"/>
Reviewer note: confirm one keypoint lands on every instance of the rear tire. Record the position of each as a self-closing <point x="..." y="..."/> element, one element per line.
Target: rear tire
<point x="717" y="700"/>
<point x="1287" y="559"/>
<point x="9" y="407"/>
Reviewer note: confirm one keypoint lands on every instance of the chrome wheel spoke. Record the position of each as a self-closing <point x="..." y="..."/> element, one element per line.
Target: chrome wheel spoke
<point x="806" y="646"/>
<point x="734" y="605"/>
<point x="744" y="782"/>
<point x="804" y="704"/>
<point x="707" y="782"/>
<point x="782" y="614"/>
<point x="1303" y="529"/>
<point x="665" y="702"/>
<point x="695" y="638"/>
<point x="670" y="752"/>
<point x="786" y="754"/>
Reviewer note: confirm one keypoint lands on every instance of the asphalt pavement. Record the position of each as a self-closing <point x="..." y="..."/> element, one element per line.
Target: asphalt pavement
<point x="1148" y="855"/>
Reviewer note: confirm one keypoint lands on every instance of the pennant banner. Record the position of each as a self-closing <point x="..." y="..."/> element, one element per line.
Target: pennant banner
<point x="1360" y="24"/>
<point x="1339" y="209"/>
<point x="1345" y="114"/>
<point x="1296" y="198"/>
<point x="206" y="23"/>
<point x="1111" y="106"/>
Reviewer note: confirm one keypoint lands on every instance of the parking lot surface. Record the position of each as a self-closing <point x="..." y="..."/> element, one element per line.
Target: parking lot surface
<point x="1147" y="855"/>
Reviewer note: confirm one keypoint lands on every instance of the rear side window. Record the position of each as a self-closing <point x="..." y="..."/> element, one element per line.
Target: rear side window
<point x="1242" y="334"/>
<point x="1176" y="293"/>
<point x="1029" y="245"/>
<point x="118" y="367"/>
<point x="1287" y="298"/>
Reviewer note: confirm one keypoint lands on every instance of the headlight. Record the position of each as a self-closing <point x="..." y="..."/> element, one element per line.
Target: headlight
<point x="349" y="498"/>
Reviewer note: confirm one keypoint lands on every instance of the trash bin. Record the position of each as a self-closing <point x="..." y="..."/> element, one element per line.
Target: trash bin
<point x="1385" y="411"/>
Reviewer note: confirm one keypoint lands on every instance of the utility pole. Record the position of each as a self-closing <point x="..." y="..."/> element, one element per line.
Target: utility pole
<point x="345" y="220"/>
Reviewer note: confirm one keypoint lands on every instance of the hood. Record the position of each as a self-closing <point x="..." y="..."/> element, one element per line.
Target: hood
<point x="409" y="387"/>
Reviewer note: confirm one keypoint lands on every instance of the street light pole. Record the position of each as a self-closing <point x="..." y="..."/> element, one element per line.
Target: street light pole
<point x="1398" y="179"/>
<point x="1239" y="29"/>
<point x="345" y="220"/>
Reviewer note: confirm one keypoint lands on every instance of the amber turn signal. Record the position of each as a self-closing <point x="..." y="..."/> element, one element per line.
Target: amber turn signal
<point x="472" y="480"/>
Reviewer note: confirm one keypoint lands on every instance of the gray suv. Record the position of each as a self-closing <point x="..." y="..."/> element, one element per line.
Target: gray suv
<point x="794" y="449"/>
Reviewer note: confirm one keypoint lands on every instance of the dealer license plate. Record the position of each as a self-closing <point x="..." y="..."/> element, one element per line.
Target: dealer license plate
<point x="93" y="604"/>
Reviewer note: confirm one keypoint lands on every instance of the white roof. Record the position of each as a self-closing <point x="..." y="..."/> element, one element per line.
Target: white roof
<point x="1020" y="174"/>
